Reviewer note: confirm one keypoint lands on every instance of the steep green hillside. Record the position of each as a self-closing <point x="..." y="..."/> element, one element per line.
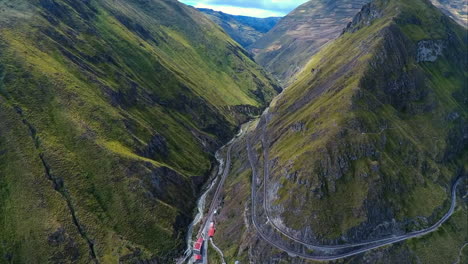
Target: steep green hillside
<point x="245" y="30"/>
<point x="110" y="111"/>
<point x="375" y="127"/>
<point x="456" y="9"/>
<point x="286" y="49"/>
<point x="365" y="144"/>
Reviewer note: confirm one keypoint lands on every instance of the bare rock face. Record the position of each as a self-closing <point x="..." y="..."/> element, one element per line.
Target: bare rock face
<point x="430" y="50"/>
<point x="364" y="18"/>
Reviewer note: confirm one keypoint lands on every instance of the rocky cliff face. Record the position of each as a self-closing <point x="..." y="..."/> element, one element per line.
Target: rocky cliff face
<point x="365" y="144"/>
<point x="286" y="49"/>
<point x="110" y="112"/>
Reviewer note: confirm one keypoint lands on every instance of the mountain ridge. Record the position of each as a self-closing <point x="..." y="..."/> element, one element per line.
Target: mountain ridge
<point x="365" y="144"/>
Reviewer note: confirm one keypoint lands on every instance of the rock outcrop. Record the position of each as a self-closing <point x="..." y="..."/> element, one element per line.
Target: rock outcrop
<point x="429" y="50"/>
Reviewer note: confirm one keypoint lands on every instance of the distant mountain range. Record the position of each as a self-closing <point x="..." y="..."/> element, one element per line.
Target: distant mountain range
<point x="282" y="45"/>
<point x="285" y="49"/>
<point x="243" y="29"/>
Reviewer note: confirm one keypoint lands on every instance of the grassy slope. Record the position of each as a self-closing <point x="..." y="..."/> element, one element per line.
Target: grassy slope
<point x="87" y="86"/>
<point x="286" y="49"/>
<point x="363" y="142"/>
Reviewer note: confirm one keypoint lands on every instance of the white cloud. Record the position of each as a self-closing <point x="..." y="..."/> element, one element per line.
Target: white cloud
<point x="258" y="8"/>
<point x="242" y="11"/>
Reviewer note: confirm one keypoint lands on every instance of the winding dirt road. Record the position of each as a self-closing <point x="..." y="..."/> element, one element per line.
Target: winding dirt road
<point x="321" y="252"/>
<point x="355" y="249"/>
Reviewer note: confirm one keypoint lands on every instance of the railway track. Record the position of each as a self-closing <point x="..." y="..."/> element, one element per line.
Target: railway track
<point x="321" y="252"/>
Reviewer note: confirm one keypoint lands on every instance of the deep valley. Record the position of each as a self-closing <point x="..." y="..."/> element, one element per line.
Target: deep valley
<point x="150" y="131"/>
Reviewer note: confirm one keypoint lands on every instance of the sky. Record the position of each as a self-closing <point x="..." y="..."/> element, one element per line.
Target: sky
<point x="255" y="8"/>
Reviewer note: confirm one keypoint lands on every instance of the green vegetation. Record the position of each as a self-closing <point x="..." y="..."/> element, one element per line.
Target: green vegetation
<point x="110" y="112"/>
<point x="213" y="255"/>
<point x="445" y="245"/>
<point x="367" y="126"/>
<point x="366" y="135"/>
<point x="232" y="235"/>
<point x="231" y="220"/>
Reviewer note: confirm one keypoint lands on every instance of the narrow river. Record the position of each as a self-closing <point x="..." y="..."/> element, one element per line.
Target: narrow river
<point x="201" y="203"/>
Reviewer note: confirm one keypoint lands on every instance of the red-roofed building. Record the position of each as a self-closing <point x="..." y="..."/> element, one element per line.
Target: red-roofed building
<point x="198" y="258"/>
<point x="212" y="230"/>
<point x="197" y="247"/>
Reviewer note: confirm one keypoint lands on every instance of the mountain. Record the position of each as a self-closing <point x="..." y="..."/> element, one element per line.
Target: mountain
<point x="285" y="49"/>
<point x="365" y="144"/>
<point x="456" y="9"/>
<point x="243" y="29"/>
<point x="111" y="111"/>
